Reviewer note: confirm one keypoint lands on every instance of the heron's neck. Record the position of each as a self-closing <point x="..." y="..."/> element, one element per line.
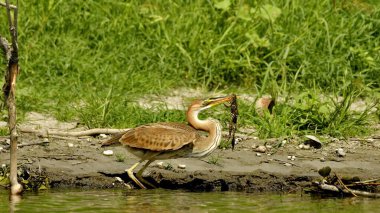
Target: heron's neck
<point x="205" y="125"/>
<point x="213" y="127"/>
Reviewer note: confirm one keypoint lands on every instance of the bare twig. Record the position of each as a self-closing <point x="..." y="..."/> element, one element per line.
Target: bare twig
<point x="364" y="184"/>
<point x="344" y="186"/>
<point x="47" y="133"/>
<point x="32" y="144"/>
<point x="10" y="6"/>
<point x="9" y="90"/>
<point x="333" y="188"/>
<point x="65" y="138"/>
<point x="368" y="181"/>
<point x="90" y="132"/>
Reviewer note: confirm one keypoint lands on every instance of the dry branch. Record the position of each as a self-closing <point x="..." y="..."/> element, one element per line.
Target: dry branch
<point x="344" y="186"/>
<point x="10" y="6"/>
<point x="90" y="132"/>
<point x="333" y="188"/>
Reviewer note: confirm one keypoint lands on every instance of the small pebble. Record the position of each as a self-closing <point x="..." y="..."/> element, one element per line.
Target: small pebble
<point x="289" y="157"/>
<point x="1" y="148"/>
<point x="119" y="179"/>
<point x="108" y="152"/>
<point x="255" y="138"/>
<point x="268" y="146"/>
<point x="3" y="165"/>
<point x="283" y="142"/>
<point x="181" y="166"/>
<point x="287" y="164"/>
<point x="306" y="146"/>
<point x="102" y="135"/>
<point x="340" y="152"/>
<point x="258" y="154"/>
<point x="70" y="145"/>
<point x="261" y="149"/>
<point x="269" y="154"/>
<point x="160" y="165"/>
<point x="8" y="141"/>
<point x="322" y="159"/>
<point x="45" y="140"/>
<point x="293" y="157"/>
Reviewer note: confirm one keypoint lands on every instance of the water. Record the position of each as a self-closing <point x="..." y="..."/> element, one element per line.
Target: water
<point x="179" y="201"/>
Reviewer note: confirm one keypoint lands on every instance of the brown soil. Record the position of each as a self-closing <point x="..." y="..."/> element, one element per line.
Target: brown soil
<point x="84" y="165"/>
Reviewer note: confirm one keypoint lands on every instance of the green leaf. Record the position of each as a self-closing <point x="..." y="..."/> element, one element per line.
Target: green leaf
<point x="268" y="12"/>
<point x="243" y="12"/>
<point x="4" y="181"/>
<point x="256" y="41"/>
<point x="223" y="5"/>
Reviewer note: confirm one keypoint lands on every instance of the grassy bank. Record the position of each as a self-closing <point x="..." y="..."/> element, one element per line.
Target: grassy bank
<point x="90" y="60"/>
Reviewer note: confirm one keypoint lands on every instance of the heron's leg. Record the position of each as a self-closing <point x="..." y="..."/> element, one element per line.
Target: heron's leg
<point x="140" y="172"/>
<point x="130" y="174"/>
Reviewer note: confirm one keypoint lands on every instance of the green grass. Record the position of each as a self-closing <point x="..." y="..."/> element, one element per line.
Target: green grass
<point x="91" y="60"/>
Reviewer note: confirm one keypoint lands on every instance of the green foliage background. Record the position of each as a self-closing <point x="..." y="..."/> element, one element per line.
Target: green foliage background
<point x="89" y="60"/>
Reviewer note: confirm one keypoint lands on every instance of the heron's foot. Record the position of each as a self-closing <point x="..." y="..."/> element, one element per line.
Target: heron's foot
<point x="139" y="176"/>
<point x="130" y="174"/>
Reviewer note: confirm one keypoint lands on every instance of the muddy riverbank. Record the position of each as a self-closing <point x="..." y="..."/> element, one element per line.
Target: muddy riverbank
<point x="80" y="163"/>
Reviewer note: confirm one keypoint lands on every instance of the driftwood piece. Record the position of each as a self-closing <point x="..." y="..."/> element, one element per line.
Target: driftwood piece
<point x="90" y="132"/>
<point x="333" y="188"/>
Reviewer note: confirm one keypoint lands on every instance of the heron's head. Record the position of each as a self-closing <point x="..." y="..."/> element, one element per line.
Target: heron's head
<point x="200" y="105"/>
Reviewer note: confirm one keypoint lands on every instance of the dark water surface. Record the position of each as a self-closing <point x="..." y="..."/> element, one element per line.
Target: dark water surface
<point x="179" y="201"/>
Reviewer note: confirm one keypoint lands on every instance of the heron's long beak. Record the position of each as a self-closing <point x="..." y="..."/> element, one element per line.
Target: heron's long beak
<point x="218" y="100"/>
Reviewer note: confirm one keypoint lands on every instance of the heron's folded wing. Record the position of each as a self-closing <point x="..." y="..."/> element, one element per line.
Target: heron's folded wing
<point x="160" y="136"/>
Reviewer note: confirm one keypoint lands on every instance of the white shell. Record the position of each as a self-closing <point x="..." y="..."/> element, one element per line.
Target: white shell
<point x="340" y="152"/>
<point x="160" y="164"/>
<point x="312" y="137"/>
<point x="181" y="166"/>
<point x="108" y="152"/>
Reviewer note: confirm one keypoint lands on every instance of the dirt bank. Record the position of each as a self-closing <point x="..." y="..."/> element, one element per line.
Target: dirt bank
<point x="80" y="163"/>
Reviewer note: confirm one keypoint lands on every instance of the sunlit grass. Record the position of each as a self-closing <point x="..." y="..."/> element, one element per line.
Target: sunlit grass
<point x="91" y="60"/>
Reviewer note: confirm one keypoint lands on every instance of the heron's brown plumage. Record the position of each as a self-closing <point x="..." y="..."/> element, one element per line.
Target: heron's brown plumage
<point x="172" y="140"/>
<point x="160" y="136"/>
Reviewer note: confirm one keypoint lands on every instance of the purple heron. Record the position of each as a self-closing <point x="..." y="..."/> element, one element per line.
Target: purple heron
<point x="166" y="140"/>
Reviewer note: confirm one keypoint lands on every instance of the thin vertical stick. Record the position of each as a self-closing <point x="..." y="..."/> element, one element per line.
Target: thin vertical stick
<point x="9" y="90"/>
